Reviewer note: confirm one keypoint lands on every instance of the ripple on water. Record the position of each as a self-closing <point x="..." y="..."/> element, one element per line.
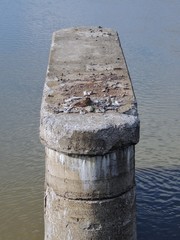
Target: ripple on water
<point x="158" y="203"/>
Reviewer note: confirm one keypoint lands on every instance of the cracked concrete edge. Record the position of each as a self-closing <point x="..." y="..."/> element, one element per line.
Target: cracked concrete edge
<point x="97" y="136"/>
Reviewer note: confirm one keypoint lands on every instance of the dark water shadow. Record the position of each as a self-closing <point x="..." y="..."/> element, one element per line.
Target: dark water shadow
<point x="158" y="203"/>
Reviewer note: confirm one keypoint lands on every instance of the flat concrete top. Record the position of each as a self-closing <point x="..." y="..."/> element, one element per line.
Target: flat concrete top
<point x="87" y="90"/>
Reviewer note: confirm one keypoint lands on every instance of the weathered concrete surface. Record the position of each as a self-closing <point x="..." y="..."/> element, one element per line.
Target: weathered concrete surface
<point x="109" y="219"/>
<point x="91" y="177"/>
<point x="89" y="126"/>
<point x="88" y="103"/>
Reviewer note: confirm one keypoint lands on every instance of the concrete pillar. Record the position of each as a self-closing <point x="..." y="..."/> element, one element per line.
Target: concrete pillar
<point x="89" y="126"/>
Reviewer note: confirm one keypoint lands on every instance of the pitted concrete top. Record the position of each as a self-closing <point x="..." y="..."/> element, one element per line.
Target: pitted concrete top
<point x="88" y="105"/>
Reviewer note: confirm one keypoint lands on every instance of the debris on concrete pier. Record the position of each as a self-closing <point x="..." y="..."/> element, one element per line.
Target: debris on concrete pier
<point x="89" y="126"/>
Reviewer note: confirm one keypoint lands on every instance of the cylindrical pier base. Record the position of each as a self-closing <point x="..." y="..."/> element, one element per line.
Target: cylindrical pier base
<point x="70" y="219"/>
<point x="90" y="197"/>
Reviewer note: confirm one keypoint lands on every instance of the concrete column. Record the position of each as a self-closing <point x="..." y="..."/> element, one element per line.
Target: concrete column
<point x="89" y="126"/>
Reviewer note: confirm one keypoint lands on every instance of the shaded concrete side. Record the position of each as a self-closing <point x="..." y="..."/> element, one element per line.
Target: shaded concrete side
<point x="91" y="177"/>
<point x="110" y="219"/>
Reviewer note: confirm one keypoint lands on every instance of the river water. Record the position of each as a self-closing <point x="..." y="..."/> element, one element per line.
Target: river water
<point x="150" y="35"/>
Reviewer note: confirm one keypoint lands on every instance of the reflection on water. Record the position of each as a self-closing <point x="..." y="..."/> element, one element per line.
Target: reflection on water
<point x="149" y="33"/>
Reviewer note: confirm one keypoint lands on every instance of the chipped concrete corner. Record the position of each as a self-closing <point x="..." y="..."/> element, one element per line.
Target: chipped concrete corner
<point x="89" y="126"/>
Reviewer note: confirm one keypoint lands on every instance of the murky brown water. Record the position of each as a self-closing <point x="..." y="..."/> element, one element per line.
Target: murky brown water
<point x="150" y="33"/>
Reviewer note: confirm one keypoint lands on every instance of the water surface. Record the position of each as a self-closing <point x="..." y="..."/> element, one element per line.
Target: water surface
<point x="149" y="31"/>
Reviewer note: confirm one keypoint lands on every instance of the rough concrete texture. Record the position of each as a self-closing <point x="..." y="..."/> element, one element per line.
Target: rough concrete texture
<point x="109" y="219"/>
<point x="88" y="103"/>
<point x="89" y="126"/>
<point x="91" y="177"/>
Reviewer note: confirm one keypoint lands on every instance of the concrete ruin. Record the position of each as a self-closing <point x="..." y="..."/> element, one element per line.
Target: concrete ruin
<point x="89" y="126"/>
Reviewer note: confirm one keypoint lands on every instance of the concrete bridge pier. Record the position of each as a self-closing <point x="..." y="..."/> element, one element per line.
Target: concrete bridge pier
<point x="89" y="126"/>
